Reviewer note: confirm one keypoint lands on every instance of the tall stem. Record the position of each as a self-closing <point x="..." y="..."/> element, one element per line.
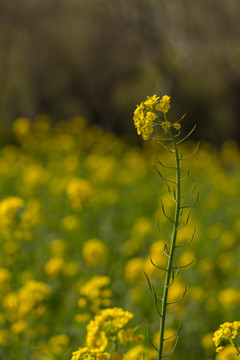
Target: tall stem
<point x="172" y="248"/>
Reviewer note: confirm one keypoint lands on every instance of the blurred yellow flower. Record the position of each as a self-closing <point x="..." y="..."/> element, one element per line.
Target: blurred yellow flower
<point x="79" y="192"/>
<point x="93" y="288"/>
<point x="207" y="344"/>
<point x="142" y="227"/>
<point x="94" y="252"/>
<point x="176" y="291"/>
<point x="58" y="343"/>
<point x="19" y="326"/>
<point x="54" y="267"/>
<point x="157" y="255"/>
<point x="70" y="222"/>
<point x="21" y="126"/>
<point x="229" y="297"/>
<point x="134" y="269"/>
<point x="10" y="210"/>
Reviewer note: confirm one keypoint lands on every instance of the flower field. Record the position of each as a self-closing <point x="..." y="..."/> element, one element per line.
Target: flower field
<point x="79" y="213"/>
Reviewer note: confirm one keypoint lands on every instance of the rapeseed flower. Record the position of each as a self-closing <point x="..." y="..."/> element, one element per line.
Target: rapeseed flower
<point x="104" y="327"/>
<point x="79" y="192"/>
<point x="139" y="352"/>
<point x="21" y="126"/>
<point x="227" y="353"/>
<point x="90" y="354"/>
<point x="134" y="269"/>
<point x="227" y="332"/>
<point x="127" y="336"/>
<point x="54" y="267"/>
<point x="94" y="252"/>
<point x="94" y="293"/>
<point x="11" y="209"/>
<point x="229" y="297"/>
<point x="146" y="113"/>
<point x="58" y="343"/>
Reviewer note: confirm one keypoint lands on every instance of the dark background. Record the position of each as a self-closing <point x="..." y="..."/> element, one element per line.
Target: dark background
<point x="99" y="58"/>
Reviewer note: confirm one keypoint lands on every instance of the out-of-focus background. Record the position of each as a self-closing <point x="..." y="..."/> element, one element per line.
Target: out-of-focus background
<point x="80" y="199"/>
<point x="98" y="58"/>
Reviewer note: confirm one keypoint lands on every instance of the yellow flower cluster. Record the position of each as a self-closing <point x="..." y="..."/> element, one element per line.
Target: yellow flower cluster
<point x="145" y="115"/>
<point x="90" y="354"/>
<point x="18" y="304"/>
<point x="94" y="252"/>
<point x="227" y="332"/>
<point x="10" y="208"/>
<point x="106" y="328"/>
<point x="94" y="292"/>
<point x="106" y="325"/>
<point x="79" y="192"/>
<point x="22" y="305"/>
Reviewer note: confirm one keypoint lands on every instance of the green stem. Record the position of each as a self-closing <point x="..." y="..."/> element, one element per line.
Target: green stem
<point x="172" y="249"/>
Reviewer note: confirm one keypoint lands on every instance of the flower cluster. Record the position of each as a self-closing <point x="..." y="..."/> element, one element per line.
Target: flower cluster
<point x="105" y="330"/>
<point x="94" y="252"/>
<point x="95" y="293"/>
<point x="226" y="335"/>
<point x="90" y="354"/>
<point x="22" y="305"/>
<point x="149" y="111"/>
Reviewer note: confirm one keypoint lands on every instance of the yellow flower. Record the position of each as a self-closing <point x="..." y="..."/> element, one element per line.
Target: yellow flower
<point x="164" y="104"/>
<point x="93" y="288"/>
<point x="21" y="126"/>
<point x="219" y="349"/>
<point x="139" y="352"/>
<point x="10" y="210"/>
<point x="94" y="252"/>
<point x="54" y="267"/>
<point x="57" y="343"/>
<point x="144" y="116"/>
<point x="177" y="126"/>
<point x="127" y="336"/>
<point x="31" y="294"/>
<point x="151" y="100"/>
<point x="90" y="354"/>
<point x="70" y="222"/>
<point x="76" y="355"/>
<point x="229" y="297"/>
<point x="228" y="353"/>
<point x="176" y="291"/>
<point x="105" y="326"/>
<point x="79" y="192"/>
<point x="96" y="339"/>
<point x="134" y="269"/>
<point x="207" y="344"/>
<point x="156" y="252"/>
<point x="19" y="326"/>
<point x="165" y="125"/>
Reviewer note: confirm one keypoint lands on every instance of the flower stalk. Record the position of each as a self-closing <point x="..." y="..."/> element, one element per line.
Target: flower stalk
<point x="172" y="246"/>
<point x="149" y="114"/>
